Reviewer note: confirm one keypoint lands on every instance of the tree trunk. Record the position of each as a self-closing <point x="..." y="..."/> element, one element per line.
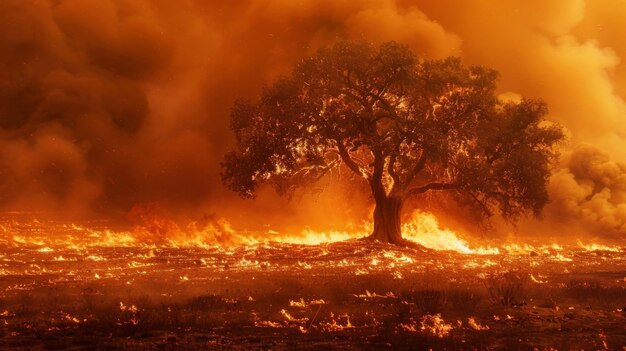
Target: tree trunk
<point x="387" y="224"/>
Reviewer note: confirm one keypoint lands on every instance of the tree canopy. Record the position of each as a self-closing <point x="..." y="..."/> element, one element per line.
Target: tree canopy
<point x="404" y="125"/>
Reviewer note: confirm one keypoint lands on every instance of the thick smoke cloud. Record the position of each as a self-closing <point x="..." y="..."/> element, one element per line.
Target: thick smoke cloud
<point x="106" y="104"/>
<point x="590" y="191"/>
<point x="567" y="53"/>
<point x="72" y="99"/>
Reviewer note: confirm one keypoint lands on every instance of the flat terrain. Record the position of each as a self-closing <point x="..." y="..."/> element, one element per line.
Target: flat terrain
<point x="343" y="296"/>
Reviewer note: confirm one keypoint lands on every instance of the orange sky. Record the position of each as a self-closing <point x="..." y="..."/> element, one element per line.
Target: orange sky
<point x="105" y="104"/>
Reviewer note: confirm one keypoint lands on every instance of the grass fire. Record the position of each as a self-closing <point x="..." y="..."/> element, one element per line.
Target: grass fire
<point x="93" y="287"/>
<point x="317" y="175"/>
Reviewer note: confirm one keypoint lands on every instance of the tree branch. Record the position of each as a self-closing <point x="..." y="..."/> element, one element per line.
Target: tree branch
<point x="392" y="172"/>
<point x="351" y="86"/>
<point x="431" y="186"/>
<point x="483" y="206"/>
<point x="381" y="116"/>
<point x="360" y="100"/>
<point x="376" y="182"/>
<point x="419" y="165"/>
<point x="345" y="156"/>
<point x="319" y="170"/>
<point x="387" y="106"/>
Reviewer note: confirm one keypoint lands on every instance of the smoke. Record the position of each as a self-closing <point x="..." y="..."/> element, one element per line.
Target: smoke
<point x="590" y="191"/>
<point x="561" y="52"/>
<point x="107" y="104"/>
<point x="72" y="99"/>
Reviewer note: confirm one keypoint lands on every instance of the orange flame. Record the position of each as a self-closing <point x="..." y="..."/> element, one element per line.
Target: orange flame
<point x="154" y="231"/>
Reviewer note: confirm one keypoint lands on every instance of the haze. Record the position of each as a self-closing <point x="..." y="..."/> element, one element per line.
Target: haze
<point x="108" y="105"/>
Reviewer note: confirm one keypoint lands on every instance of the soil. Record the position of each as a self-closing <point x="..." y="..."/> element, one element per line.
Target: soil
<point x="355" y="295"/>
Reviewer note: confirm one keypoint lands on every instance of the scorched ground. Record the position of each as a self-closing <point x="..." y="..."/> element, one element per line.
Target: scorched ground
<point x="344" y="296"/>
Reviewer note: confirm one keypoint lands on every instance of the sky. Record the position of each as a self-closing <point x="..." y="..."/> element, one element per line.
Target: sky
<point x="107" y="105"/>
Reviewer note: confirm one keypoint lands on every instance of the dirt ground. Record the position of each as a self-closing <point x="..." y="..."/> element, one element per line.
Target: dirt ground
<point x="343" y="296"/>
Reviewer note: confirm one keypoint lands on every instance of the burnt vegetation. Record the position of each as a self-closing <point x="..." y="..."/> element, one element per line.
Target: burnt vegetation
<point x="443" y="300"/>
<point x="405" y="126"/>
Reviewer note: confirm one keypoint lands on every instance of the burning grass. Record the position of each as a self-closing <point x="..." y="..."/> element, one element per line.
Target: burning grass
<point x="343" y="295"/>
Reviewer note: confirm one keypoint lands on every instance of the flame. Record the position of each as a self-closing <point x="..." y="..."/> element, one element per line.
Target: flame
<point x="435" y="326"/>
<point x="291" y="318"/>
<point x="157" y="232"/>
<point x="266" y="324"/>
<point x="475" y="325"/>
<point x="310" y="237"/>
<point x="424" y="229"/>
<point x="71" y="318"/>
<point x="304" y="304"/>
<point x="131" y="308"/>
<point x="334" y="326"/>
<point x="537" y="279"/>
<point x="598" y="247"/>
<point x="368" y="294"/>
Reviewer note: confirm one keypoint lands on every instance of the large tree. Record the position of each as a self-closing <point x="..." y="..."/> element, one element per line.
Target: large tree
<point x="404" y="125"/>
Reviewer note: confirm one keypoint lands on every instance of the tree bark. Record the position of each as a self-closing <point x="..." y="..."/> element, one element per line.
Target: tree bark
<point x="387" y="224"/>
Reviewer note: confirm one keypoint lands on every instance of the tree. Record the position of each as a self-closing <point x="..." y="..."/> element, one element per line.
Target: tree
<point x="404" y="125"/>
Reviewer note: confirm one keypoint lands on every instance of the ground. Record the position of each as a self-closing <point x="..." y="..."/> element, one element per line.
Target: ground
<point x="350" y="295"/>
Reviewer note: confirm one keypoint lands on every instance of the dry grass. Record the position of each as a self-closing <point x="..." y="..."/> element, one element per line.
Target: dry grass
<point x="508" y="289"/>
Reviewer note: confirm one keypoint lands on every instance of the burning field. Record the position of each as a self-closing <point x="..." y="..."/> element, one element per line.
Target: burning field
<point x="101" y="288"/>
<point x="312" y="174"/>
